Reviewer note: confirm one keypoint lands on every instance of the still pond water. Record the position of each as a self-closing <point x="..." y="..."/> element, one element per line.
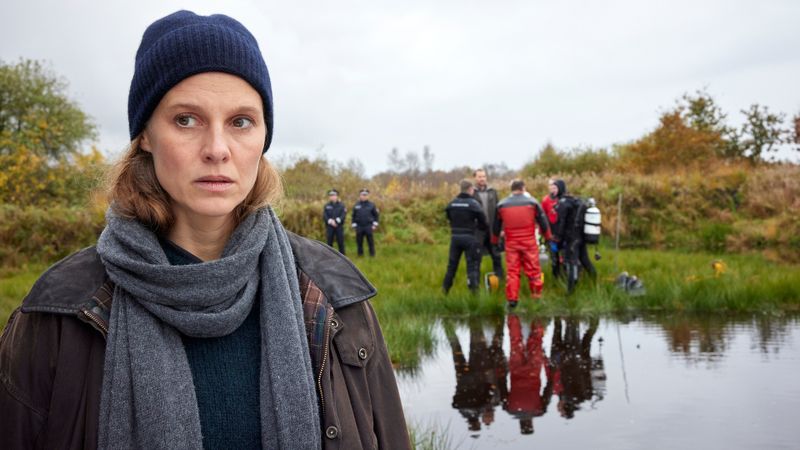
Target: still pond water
<point x="648" y="382"/>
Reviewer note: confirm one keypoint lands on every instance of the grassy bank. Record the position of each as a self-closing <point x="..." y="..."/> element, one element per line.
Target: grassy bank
<point x="409" y="278"/>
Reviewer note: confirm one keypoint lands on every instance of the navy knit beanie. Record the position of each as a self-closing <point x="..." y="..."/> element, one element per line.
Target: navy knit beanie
<point x="183" y="44"/>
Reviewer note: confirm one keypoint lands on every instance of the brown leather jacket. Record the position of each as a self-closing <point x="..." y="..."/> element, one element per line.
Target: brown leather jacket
<point x="53" y="347"/>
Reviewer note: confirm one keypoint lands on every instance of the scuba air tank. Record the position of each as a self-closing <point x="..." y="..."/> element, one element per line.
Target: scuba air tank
<point x="591" y="223"/>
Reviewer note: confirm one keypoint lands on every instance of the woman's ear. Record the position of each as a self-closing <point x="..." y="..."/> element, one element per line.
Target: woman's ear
<point x="144" y="142"/>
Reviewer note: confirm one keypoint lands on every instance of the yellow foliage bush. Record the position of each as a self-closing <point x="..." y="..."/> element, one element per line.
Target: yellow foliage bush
<point x="29" y="179"/>
<point x="674" y="144"/>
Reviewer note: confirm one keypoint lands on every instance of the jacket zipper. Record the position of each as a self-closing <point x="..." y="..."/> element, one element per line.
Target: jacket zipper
<point x="97" y="320"/>
<point x="322" y="365"/>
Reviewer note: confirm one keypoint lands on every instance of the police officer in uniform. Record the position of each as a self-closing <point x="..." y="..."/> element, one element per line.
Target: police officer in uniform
<point x="466" y="219"/>
<point x="365" y="221"/>
<point x="334" y="215"/>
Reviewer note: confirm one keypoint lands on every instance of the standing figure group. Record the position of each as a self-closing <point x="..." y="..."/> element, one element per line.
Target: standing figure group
<point x="478" y="223"/>
<point x="482" y="225"/>
<point x="364" y="220"/>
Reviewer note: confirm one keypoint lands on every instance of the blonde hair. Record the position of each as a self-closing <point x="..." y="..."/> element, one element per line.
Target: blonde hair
<point x="135" y="193"/>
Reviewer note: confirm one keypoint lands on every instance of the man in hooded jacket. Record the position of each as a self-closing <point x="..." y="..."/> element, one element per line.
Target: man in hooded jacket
<point x="568" y="234"/>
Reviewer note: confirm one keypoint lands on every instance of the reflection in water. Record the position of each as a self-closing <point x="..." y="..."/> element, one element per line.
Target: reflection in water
<point x="696" y="338"/>
<point x="481" y="379"/>
<point x="570" y="372"/>
<point x="578" y="377"/>
<point x="523" y="381"/>
<point x="525" y="362"/>
<point x="705" y="338"/>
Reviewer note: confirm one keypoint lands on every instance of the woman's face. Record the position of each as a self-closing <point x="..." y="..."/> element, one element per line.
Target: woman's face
<point x="206" y="137"/>
<point x="553" y="189"/>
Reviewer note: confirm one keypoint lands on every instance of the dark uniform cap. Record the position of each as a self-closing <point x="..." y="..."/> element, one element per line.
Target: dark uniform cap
<point x="333" y="192"/>
<point x="364" y="191"/>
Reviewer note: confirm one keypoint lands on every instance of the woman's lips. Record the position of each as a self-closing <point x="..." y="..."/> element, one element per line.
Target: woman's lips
<point x="214" y="184"/>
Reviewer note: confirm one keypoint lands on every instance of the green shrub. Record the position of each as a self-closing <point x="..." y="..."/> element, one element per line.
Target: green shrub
<point x="550" y="161"/>
<point x="44" y="235"/>
<point x="714" y="236"/>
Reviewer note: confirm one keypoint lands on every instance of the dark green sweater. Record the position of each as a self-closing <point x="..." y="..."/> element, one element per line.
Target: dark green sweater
<point x="225" y="371"/>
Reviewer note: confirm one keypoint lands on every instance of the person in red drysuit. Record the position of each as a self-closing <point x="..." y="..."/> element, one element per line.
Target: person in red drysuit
<point x="549" y="203"/>
<point x="516" y="219"/>
<point x="526" y="399"/>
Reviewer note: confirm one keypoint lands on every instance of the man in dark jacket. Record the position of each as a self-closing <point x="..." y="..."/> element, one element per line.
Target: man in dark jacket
<point x="487" y="197"/>
<point x="517" y="218"/>
<point x="365" y="221"/>
<point x="334" y="216"/>
<point x="568" y="234"/>
<point x="466" y="217"/>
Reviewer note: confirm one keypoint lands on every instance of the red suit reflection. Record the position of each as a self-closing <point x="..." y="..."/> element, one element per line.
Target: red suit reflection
<point x="526" y="399"/>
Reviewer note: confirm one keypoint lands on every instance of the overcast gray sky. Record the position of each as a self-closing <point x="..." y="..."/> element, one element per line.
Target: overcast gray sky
<point x="476" y="81"/>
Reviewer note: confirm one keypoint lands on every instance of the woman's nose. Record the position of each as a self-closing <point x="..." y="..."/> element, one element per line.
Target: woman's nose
<point x="216" y="148"/>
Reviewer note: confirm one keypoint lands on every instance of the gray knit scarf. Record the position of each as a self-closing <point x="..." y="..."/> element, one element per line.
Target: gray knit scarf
<point x="148" y="398"/>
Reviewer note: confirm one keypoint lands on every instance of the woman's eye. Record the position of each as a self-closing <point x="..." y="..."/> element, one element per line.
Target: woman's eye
<point x="186" y="121"/>
<point x="242" y="122"/>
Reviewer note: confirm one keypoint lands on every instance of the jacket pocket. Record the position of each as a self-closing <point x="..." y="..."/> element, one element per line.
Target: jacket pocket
<point x="354" y="341"/>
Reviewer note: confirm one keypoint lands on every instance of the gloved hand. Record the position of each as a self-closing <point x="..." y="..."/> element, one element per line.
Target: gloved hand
<point x="331" y="222"/>
<point x="500" y="246"/>
<point x="355" y="225"/>
<point x="374" y="225"/>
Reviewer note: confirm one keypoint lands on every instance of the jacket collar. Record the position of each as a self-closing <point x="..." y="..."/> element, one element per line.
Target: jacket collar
<point x="69" y="285"/>
<point x="338" y="279"/>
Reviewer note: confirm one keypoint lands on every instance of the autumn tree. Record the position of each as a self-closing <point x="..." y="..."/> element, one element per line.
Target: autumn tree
<point x="36" y="114"/>
<point x="701" y="112"/>
<point x="673" y="144"/>
<point x="42" y="138"/>
<point x="762" y="133"/>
